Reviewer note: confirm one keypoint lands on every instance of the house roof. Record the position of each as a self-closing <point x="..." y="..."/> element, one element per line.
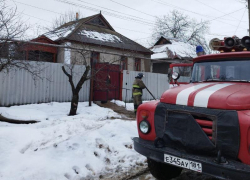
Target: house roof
<point x="94" y="30"/>
<point x="162" y="40"/>
<point x="172" y="49"/>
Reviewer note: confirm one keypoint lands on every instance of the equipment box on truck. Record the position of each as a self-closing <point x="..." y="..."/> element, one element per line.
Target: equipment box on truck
<point x="203" y="126"/>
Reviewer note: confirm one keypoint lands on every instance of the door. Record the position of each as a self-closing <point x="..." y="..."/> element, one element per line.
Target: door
<point x="106" y="82"/>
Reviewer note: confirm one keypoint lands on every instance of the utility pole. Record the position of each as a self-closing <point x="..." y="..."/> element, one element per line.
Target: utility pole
<point x="248" y="16"/>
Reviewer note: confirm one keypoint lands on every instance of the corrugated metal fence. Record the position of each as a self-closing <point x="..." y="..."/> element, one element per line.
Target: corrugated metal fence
<point x="156" y="83"/>
<point x="18" y="87"/>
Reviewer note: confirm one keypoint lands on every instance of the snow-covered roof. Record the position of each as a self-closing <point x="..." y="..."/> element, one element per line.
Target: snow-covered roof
<point x="61" y="32"/>
<point x="175" y="50"/>
<point x="94" y="30"/>
<point x="101" y="36"/>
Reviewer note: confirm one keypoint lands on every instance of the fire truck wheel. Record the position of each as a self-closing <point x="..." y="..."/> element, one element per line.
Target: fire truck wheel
<point x="163" y="171"/>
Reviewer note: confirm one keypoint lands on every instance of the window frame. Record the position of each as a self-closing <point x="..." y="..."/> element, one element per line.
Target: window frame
<point x="124" y="61"/>
<point x="137" y="63"/>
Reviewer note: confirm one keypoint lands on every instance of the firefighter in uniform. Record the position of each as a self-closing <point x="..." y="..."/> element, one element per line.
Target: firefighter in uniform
<point x="138" y="85"/>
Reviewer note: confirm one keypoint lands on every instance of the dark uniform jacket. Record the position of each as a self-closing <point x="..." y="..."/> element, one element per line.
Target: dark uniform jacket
<point x="138" y="85"/>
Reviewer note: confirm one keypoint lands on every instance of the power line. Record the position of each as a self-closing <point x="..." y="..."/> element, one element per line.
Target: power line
<point x="34" y="17"/>
<point x="132" y="8"/>
<point x="113" y="10"/>
<point x="240" y="22"/>
<point x="226" y="15"/>
<point x="63" y="14"/>
<point x="214" y="8"/>
<point x="38" y="7"/>
<point x="174" y="6"/>
<point x="98" y="10"/>
<point x="177" y="7"/>
<point x="128" y="16"/>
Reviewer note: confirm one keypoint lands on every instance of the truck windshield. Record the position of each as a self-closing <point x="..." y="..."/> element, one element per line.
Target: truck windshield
<point x="237" y="70"/>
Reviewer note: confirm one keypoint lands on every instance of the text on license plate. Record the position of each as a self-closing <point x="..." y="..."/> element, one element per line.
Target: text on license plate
<point x="192" y="165"/>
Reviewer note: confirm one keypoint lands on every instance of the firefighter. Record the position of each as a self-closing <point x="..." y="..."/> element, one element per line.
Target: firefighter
<point x="200" y="51"/>
<point x="138" y="85"/>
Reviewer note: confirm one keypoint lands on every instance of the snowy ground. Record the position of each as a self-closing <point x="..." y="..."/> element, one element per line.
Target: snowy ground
<point x="94" y="144"/>
<point x="129" y="106"/>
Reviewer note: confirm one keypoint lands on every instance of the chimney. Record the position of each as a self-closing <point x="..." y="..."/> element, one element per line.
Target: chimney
<point x="77" y="16"/>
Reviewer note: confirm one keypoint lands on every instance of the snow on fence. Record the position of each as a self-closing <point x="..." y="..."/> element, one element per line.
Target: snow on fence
<point x="156" y="83"/>
<point x="18" y="87"/>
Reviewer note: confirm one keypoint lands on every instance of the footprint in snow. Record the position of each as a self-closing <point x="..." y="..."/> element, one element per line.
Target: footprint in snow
<point x="76" y="169"/>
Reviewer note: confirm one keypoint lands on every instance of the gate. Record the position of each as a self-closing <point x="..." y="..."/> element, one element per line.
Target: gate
<point x="106" y="82"/>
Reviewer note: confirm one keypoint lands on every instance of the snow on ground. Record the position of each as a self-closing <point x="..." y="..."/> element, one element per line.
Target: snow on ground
<point x="129" y="106"/>
<point x="93" y="144"/>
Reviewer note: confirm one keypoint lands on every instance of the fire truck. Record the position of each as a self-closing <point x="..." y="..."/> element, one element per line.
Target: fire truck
<point x="203" y="126"/>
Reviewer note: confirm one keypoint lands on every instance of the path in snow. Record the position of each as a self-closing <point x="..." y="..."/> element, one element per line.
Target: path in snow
<point x="125" y="113"/>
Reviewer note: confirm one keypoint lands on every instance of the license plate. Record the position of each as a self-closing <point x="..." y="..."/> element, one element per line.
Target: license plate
<point x="184" y="163"/>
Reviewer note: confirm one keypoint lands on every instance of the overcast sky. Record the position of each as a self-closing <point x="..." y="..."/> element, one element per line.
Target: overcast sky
<point x="122" y="14"/>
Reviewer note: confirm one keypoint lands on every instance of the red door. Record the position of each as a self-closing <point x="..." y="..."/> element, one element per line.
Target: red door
<point x="106" y="82"/>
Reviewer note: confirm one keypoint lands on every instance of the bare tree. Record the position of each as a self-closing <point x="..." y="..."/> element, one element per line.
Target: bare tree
<point x="12" y="31"/>
<point x="81" y="57"/>
<point x="66" y="17"/>
<point x="68" y="70"/>
<point x="11" y="27"/>
<point x="180" y="26"/>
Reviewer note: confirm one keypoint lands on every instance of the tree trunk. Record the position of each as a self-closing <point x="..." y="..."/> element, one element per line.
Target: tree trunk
<point x="74" y="104"/>
<point x="76" y="90"/>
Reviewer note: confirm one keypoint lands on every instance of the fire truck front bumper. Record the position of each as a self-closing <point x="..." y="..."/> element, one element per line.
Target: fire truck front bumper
<point x="230" y="169"/>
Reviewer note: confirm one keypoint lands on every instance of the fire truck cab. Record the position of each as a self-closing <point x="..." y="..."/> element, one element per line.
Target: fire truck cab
<point x="183" y="69"/>
<point x="203" y="126"/>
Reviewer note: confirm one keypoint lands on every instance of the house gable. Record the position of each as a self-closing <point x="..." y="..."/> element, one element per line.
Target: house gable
<point x="100" y="21"/>
<point x="44" y="39"/>
<point x="162" y="41"/>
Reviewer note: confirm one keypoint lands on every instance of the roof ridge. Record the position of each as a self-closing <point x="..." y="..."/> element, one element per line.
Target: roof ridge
<point x="80" y="23"/>
<point x="135" y="42"/>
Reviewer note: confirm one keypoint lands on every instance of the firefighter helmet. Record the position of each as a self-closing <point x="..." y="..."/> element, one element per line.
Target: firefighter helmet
<point x="140" y="75"/>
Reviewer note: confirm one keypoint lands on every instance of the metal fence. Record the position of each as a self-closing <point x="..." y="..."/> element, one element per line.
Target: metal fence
<point x="18" y="87"/>
<point x="156" y="83"/>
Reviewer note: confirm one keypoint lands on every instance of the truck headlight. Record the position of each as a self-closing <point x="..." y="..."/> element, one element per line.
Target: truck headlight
<point x="144" y="127"/>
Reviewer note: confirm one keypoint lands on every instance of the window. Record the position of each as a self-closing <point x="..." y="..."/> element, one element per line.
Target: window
<point x="40" y="56"/>
<point x="235" y="70"/>
<point x="137" y="64"/>
<point x="95" y="57"/>
<point x="124" y="63"/>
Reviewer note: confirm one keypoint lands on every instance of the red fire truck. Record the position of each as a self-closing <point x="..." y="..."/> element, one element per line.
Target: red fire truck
<point x="203" y="126"/>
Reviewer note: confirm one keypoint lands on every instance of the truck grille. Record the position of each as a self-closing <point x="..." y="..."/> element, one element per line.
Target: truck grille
<point x="208" y="126"/>
<point x="198" y="130"/>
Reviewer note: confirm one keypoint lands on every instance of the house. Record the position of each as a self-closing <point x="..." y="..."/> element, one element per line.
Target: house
<point x="32" y="50"/>
<point x="170" y="50"/>
<point x="101" y="43"/>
